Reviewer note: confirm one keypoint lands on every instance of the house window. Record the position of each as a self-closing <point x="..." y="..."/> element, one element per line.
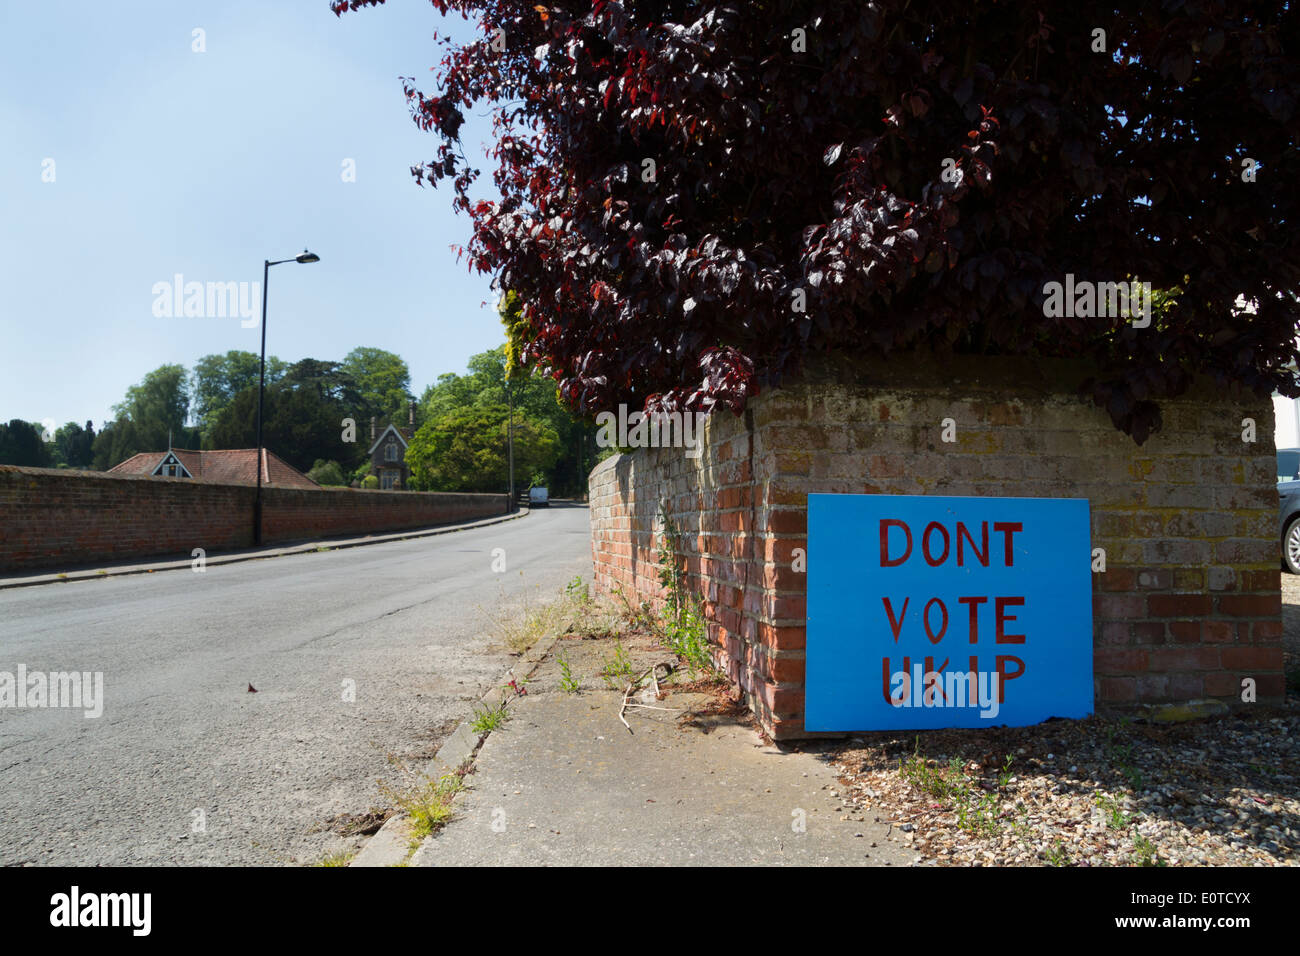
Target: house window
<point x="170" y="467"/>
<point x="390" y="451"/>
<point x="386" y="479"/>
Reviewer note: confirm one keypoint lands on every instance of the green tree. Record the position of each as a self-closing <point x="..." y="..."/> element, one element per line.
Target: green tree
<point x="115" y="443"/>
<point x="217" y="379"/>
<point x="21" y="444"/>
<point x="76" y="445"/>
<point x="535" y="402"/>
<point x="151" y="414"/>
<point x="384" y="383"/>
<point x="302" y="418"/>
<point x="328" y="381"/>
<point x="540" y="394"/>
<point x="327" y="473"/>
<point x="465" y="449"/>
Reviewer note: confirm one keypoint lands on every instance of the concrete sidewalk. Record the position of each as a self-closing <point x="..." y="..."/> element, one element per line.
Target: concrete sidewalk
<point x="564" y="783"/>
<point x="150" y="565"/>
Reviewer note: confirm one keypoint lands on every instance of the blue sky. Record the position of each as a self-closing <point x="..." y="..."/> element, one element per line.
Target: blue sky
<point x="171" y="161"/>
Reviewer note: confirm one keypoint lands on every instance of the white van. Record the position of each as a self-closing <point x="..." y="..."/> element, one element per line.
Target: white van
<point x="537" y="498"/>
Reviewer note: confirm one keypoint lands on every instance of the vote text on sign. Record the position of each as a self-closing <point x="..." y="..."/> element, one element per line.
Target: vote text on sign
<point x="928" y="612"/>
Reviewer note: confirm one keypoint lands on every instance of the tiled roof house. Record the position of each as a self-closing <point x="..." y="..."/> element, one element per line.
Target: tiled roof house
<point x="232" y="466"/>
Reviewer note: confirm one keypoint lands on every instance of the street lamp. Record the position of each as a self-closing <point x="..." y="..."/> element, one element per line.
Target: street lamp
<point x="305" y="257"/>
<point x="510" y="445"/>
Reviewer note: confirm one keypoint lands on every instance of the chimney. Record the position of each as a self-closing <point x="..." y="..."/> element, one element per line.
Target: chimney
<point x="372" y="429"/>
<point x="410" y="414"/>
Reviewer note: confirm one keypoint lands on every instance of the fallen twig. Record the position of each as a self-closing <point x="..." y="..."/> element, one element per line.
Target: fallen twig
<point x="624" y="707"/>
<point x="628" y="693"/>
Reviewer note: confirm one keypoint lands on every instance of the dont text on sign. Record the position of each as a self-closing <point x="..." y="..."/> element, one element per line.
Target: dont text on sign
<point x="928" y="612"/>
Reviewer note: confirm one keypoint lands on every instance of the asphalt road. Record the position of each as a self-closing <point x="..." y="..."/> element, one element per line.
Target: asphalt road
<point x="185" y="766"/>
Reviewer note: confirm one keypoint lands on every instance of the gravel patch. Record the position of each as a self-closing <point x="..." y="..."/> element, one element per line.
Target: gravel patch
<point x="1094" y="792"/>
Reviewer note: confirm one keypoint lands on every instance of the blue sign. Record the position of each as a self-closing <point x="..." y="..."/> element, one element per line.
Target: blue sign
<point x="928" y="612"/>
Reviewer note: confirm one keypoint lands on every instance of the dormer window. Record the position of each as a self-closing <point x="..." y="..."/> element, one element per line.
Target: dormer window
<point x="390" y="451"/>
<point x="171" y="467"/>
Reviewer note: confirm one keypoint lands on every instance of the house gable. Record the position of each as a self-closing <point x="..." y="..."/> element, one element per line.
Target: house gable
<point x="380" y="440"/>
<point x="171" y="467"/>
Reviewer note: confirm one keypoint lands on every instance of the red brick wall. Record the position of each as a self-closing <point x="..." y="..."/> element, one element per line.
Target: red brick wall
<point x="1189" y="603"/>
<point x="59" y="519"/>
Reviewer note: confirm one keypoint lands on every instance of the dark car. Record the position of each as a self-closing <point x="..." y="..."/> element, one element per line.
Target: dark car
<point x="1288" y="490"/>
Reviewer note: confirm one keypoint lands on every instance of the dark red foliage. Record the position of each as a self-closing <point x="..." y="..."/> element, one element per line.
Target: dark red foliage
<point x="781" y="174"/>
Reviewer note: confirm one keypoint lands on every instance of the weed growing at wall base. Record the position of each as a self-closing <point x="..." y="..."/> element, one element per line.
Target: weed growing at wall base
<point x="684" y="629"/>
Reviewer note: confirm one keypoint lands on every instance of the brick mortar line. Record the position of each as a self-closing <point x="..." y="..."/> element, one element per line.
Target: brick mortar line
<point x="305" y="548"/>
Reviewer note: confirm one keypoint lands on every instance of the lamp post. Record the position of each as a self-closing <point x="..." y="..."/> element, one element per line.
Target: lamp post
<point x="261" y="386"/>
<point x="510" y="445"/>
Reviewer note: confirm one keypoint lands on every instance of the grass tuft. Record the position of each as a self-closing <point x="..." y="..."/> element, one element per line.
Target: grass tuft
<point x="488" y="719"/>
<point x="342" y="858"/>
<point x="426" y="804"/>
